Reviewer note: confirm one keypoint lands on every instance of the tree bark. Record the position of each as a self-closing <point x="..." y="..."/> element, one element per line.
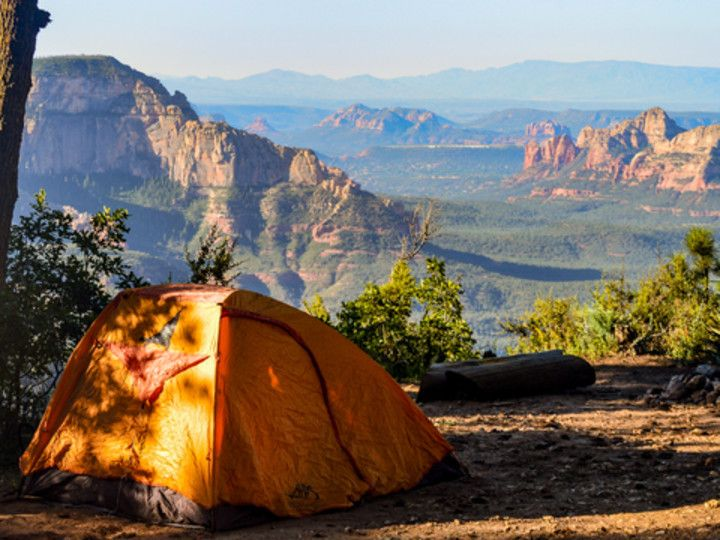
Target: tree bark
<point x="500" y="378"/>
<point x="20" y="22"/>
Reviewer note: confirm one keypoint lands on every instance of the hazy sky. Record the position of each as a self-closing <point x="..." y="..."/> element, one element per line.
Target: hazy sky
<point x="386" y="38"/>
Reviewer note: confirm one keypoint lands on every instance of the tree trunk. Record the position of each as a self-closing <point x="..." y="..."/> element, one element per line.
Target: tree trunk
<point x="20" y="21"/>
<point x="500" y="378"/>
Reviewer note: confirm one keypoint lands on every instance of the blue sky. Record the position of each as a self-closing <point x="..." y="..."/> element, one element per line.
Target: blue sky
<point x="386" y="38"/>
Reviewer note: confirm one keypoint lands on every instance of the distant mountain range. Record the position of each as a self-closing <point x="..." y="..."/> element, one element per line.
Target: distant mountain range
<point x="351" y="130"/>
<point x="600" y="84"/>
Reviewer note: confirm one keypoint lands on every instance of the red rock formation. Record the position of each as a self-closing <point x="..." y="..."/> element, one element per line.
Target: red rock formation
<point x="549" y="156"/>
<point x="544" y="129"/>
<point x="260" y="126"/>
<point x="648" y="148"/>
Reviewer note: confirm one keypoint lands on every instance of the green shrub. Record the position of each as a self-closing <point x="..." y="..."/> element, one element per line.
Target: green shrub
<point x="673" y="312"/>
<point x="554" y="323"/>
<point x="406" y="324"/>
<point x="694" y="332"/>
<point x="60" y="269"/>
<point x="317" y="308"/>
<point x="657" y="301"/>
<point x="214" y="261"/>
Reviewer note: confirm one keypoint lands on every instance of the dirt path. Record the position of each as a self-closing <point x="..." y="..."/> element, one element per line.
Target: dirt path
<point x="595" y="463"/>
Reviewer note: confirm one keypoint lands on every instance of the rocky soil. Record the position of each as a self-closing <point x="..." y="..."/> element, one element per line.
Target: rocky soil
<point x="602" y="462"/>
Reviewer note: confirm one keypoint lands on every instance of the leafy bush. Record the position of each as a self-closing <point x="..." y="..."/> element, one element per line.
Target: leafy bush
<point x="214" y="261"/>
<point x="317" y="308"/>
<point x="694" y="332"/>
<point x="60" y="267"/>
<point x="406" y="324"/>
<point x="673" y="312"/>
<point x="554" y="323"/>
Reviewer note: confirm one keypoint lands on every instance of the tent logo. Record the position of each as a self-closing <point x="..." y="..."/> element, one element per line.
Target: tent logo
<point x="304" y="491"/>
<point x="151" y="363"/>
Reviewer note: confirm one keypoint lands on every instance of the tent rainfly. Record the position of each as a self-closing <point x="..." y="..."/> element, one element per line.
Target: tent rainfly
<point x="218" y="407"/>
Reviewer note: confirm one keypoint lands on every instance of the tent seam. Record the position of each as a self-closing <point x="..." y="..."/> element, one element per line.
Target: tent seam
<point x="289" y="330"/>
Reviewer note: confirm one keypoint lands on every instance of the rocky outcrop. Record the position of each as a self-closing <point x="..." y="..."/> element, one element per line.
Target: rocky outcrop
<point x="360" y="117"/>
<point x="547" y="158"/>
<point x="260" y="126"/>
<point x="648" y="148"/>
<point x="97" y="118"/>
<point x="609" y="150"/>
<point x="700" y="385"/>
<point x="689" y="162"/>
<point x="92" y="114"/>
<point x="399" y="125"/>
<point x="545" y="129"/>
<point x="355" y="128"/>
<point x="95" y="115"/>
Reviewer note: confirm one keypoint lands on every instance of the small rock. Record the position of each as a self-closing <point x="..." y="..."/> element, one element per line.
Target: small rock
<point x="675" y="388"/>
<point x="696" y="382"/>
<point x="708" y="370"/>
<point x="712" y="504"/>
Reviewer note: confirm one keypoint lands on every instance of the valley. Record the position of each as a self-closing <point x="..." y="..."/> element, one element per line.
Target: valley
<point x="513" y="227"/>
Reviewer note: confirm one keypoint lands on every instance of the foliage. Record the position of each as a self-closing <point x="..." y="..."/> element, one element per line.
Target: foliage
<point x="214" y="260"/>
<point x="317" y="308"/>
<point x="158" y="192"/>
<point x="701" y="245"/>
<point x="60" y="268"/>
<point x="406" y="324"/>
<point x="555" y="323"/>
<point x="445" y="335"/>
<point x="672" y="312"/>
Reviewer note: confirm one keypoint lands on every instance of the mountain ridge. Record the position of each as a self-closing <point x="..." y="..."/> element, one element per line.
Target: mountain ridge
<point x="98" y="131"/>
<point x="352" y="129"/>
<point x="586" y="82"/>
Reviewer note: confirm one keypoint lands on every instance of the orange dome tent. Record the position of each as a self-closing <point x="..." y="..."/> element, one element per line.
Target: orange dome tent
<point x="219" y="407"/>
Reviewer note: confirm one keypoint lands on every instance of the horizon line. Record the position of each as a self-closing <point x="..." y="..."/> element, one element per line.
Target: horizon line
<point x="363" y="75"/>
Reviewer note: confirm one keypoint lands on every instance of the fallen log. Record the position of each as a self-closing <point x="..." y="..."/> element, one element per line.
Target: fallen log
<point x="504" y="377"/>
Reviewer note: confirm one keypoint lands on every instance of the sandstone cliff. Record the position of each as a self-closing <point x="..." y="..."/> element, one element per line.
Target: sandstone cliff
<point x="550" y="156"/>
<point x="544" y="129"/>
<point x="93" y="117"/>
<point x="648" y="148"/>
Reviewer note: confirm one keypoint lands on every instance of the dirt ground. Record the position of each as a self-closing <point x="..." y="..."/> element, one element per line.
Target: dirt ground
<point x="594" y="463"/>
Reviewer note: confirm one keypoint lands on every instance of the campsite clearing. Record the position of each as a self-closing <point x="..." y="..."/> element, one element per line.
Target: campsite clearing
<point x="596" y="462"/>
